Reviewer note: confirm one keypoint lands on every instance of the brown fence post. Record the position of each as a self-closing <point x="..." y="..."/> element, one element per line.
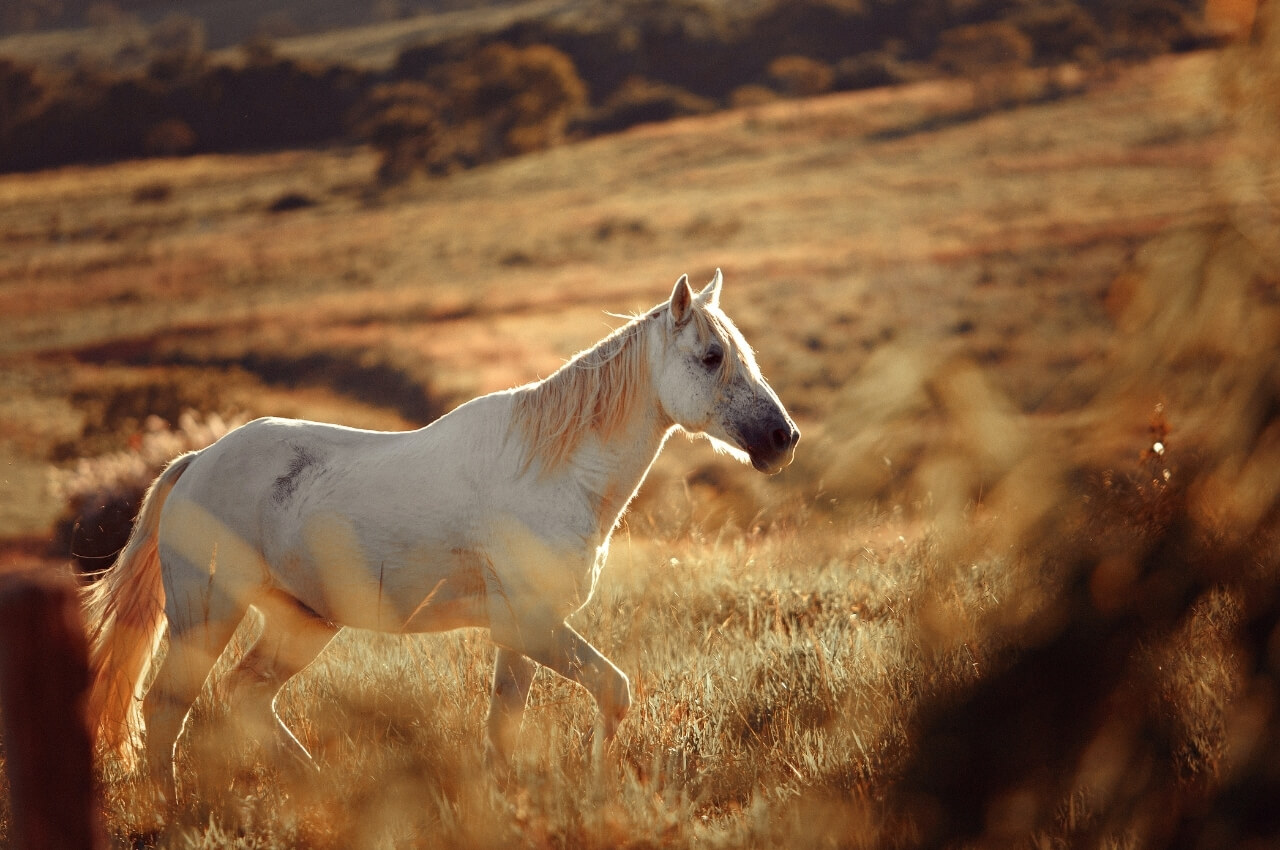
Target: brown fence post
<point x="48" y="750"/>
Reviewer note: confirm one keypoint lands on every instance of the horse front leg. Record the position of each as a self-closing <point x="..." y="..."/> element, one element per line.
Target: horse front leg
<point x="568" y="653"/>
<point x="512" y="677"/>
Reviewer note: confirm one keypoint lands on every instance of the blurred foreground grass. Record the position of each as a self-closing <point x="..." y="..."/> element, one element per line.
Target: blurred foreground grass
<point x="762" y="677"/>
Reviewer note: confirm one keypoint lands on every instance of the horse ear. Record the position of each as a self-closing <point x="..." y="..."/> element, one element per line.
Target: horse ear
<point x="681" y="301"/>
<point x="710" y="294"/>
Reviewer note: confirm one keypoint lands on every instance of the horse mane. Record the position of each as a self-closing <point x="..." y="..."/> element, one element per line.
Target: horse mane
<point x="597" y="388"/>
<point x="594" y="391"/>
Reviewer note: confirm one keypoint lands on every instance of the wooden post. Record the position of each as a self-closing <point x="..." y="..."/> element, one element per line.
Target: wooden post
<point x="48" y="750"/>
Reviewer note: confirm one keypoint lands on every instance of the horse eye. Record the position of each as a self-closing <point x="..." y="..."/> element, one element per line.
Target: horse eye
<point x="712" y="358"/>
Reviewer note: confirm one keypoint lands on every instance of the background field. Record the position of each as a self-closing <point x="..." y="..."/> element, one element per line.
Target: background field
<point x="983" y="313"/>
<point x="850" y="228"/>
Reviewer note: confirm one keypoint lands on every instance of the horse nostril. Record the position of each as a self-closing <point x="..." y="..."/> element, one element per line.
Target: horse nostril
<point x="781" y="438"/>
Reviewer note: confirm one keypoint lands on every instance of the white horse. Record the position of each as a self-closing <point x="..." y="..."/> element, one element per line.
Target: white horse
<point x="496" y="515"/>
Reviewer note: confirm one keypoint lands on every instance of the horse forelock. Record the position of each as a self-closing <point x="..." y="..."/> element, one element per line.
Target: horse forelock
<point x="595" y="391"/>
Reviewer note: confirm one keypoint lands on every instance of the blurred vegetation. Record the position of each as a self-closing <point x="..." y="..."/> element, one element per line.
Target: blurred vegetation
<point x="498" y="102"/>
<point x="537" y="81"/>
<point x="103" y="493"/>
<point x="503" y="101"/>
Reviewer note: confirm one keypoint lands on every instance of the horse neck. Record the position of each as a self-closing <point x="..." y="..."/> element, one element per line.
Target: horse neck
<point x="612" y="468"/>
<point x="598" y="420"/>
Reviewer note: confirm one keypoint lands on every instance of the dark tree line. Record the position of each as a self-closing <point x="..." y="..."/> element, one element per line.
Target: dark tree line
<point x="470" y="99"/>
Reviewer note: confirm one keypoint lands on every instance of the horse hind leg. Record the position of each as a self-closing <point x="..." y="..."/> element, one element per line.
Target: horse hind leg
<point x="512" y="677"/>
<point x="292" y="636"/>
<point x="202" y="615"/>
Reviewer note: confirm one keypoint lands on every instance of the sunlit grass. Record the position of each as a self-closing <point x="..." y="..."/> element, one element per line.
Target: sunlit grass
<point x="764" y="672"/>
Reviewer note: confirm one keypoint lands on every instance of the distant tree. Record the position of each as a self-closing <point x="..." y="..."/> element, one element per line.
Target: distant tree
<point x="877" y="68"/>
<point x="750" y="95"/>
<point x="402" y="122"/>
<point x="1141" y="28"/>
<point x="820" y="29"/>
<point x="1060" y="32"/>
<point x="641" y="101"/>
<point x="507" y="100"/>
<point x="978" y="48"/>
<point x="800" y="76"/>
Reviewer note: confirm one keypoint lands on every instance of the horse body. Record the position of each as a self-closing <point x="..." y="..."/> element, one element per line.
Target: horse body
<point x="496" y="515"/>
<point x="394" y="531"/>
<point x="359" y="526"/>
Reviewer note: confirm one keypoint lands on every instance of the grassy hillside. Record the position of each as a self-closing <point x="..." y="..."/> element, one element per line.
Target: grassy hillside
<point x="983" y="320"/>
<point x="852" y="229"/>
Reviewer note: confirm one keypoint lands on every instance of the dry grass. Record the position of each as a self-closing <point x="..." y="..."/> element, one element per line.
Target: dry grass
<point x="761" y="678"/>
<point x="973" y="319"/>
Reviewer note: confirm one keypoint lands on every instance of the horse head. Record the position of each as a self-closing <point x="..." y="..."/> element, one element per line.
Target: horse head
<point x="708" y="383"/>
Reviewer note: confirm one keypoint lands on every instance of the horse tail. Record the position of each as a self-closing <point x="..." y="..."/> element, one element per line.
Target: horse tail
<point x="124" y="611"/>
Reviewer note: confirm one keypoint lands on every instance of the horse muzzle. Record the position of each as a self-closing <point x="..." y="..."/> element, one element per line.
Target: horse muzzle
<point x="774" y="447"/>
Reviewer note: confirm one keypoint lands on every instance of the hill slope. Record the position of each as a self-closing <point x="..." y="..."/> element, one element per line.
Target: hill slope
<point x="890" y="220"/>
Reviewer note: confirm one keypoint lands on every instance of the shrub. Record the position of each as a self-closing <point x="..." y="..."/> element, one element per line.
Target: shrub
<point x="292" y="201"/>
<point x="271" y="104"/>
<point x="402" y="122"/>
<point x="1142" y="28"/>
<point x="102" y="494"/>
<point x="155" y="192"/>
<point x="507" y="100"/>
<point x="824" y="30"/>
<point x="751" y="95"/>
<point x="875" y="69"/>
<point x="1060" y="33"/>
<point x="642" y="101"/>
<point x="684" y="43"/>
<point x="97" y="115"/>
<point x="800" y="76"/>
<point x="981" y="47"/>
